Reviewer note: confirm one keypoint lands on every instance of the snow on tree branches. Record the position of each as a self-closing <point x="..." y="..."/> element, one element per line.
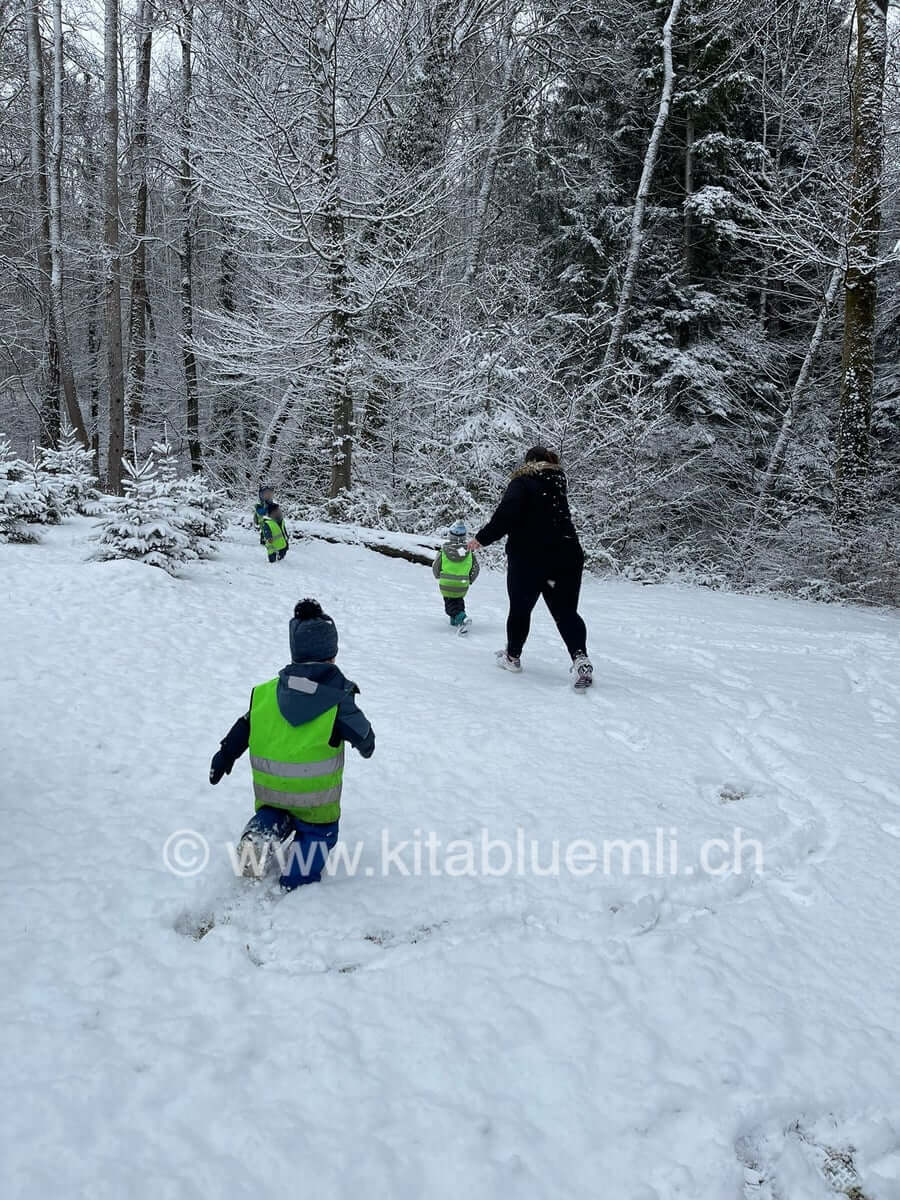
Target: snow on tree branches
<point x="161" y="520"/>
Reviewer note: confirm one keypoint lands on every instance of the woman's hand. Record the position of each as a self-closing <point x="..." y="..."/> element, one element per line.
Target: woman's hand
<point x="473" y="544"/>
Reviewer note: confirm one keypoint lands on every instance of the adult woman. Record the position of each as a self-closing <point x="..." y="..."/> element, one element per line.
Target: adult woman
<point x="544" y="558"/>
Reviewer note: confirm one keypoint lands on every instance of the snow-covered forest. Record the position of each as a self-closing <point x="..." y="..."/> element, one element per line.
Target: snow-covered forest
<point x="368" y="250"/>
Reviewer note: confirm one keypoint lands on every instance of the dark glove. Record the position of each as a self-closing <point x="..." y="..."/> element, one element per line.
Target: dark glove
<point x="219" y="766"/>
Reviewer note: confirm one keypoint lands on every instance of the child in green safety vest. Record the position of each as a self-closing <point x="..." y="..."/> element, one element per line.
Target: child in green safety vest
<point x="455" y="568"/>
<point x="274" y="533"/>
<point x="295" y="731"/>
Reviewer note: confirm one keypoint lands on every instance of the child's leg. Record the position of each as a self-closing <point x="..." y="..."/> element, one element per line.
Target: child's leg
<point x="266" y="826"/>
<point x="455" y="608"/>
<point x="308" y="852"/>
<point x="273" y="557"/>
<point x="270" y="823"/>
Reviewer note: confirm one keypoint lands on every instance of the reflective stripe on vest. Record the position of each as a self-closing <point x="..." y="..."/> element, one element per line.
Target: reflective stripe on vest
<point x="304" y="770"/>
<point x="454" y="579"/>
<point x="293" y="766"/>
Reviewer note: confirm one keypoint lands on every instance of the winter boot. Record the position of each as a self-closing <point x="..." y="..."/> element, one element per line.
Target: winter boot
<point x="254" y="853"/>
<point x="584" y="672"/>
<point x="506" y="662"/>
<point x="256" y="849"/>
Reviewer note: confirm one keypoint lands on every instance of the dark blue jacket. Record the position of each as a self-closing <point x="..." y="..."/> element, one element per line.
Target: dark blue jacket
<point x="305" y="691"/>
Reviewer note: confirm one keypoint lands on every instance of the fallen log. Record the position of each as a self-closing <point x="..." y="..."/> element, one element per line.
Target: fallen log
<point x="413" y="556"/>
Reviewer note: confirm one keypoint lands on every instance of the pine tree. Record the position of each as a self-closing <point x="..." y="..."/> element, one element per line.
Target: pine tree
<point x="50" y="491"/>
<point x="71" y="468"/>
<point x="142" y="524"/>
<point x="198" y="508"/>
<point x="21" y="501"/>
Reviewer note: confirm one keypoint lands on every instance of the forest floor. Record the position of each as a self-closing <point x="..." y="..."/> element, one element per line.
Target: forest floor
<point x="393" y="1032"/>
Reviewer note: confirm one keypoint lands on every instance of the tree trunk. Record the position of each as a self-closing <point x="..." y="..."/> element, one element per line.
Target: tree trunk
<point x="137" y="316"/>
<point x="617" y="333"/>
<point x="323" y="56"/>
<point x="93" y="340"/>
<point x="688" y="230"/>
<point x="790" y="414"/>
<point x="49" y="357"/>
<point x="113" y="272"/>
<point x="268" y="446"/>
<point x="186" y="181"/>
<point x="860" y="303"/>
<point x="60" y="324"/>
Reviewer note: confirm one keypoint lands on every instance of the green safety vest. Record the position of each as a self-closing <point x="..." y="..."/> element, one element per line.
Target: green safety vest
<point x="279" y="541"/>
<point x="454" y="580"/>
<point x="293" y="766"/>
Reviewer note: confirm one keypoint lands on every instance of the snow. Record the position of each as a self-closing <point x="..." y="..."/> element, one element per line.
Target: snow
<point x="638" y="1037"/>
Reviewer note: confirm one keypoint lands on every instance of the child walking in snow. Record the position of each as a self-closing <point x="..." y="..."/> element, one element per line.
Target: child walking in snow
<point x="456" y="568"/>
<point x="295" y="731"/>
<point x="274" y="533"/>
<point x="266" y="497"/>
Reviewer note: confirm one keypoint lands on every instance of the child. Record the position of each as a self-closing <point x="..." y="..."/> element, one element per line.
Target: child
<point x="455" y="568"/>
<point x="296" y="729"/>
<point x="266" y="496"/>
<point x="274" y="534"/>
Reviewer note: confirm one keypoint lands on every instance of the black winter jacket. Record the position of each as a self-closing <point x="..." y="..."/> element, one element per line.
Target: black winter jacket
<point x="534" y="516"/>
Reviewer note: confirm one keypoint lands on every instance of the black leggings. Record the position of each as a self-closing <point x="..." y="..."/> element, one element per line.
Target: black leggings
<point x="560" y="584"/>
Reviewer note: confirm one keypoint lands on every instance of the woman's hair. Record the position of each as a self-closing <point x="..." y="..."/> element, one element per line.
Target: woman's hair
<point x="542" y="454"/>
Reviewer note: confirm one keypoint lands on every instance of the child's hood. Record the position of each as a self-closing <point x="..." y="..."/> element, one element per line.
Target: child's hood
<point x="455" y="549"/>
<point x="306" y="690"/>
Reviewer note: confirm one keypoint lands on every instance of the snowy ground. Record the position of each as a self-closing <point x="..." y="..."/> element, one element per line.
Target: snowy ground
<point x="624" y="1037"/>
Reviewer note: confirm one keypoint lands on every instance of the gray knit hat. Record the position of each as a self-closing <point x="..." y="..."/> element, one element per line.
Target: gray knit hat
<point x="313" y="633"/>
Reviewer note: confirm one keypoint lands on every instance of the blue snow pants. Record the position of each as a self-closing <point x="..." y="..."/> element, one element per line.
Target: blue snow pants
<point x="307" y="854"/>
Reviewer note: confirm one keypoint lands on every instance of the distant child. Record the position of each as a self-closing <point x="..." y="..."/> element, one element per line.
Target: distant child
<point x="274" y="533"/>
<point x="266" y="496"/>
<point x="295" y="731"/>
<point x="455" y="568"/>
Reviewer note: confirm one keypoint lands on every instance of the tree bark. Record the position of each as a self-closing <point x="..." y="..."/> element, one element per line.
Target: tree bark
<point x="113" y="261"/>
<point x="861" y="291"/>
<point x="137" y="316"/>
<point x="323" y="58"/>
<point x="186" y="182"/>
<point x="60" y="324"/>
<point x="617" y="333"/>
<point x="49" y="357"/>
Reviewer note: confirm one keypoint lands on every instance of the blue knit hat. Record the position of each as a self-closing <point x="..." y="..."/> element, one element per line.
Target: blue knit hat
<point x="313" y="633"/>
<point x="458" y="529"/>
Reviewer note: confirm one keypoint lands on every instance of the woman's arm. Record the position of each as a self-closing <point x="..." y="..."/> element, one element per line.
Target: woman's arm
<point x="508" y="514"/>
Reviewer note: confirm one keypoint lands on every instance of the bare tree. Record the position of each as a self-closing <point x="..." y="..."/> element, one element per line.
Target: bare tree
<point x="789" y="418"/>
<point x="186" y="252"/>
<point x="38" y="125"/>
<point x="113" y="282"/>
<point x="60" y="323"/>
<point x="137" y="317"/>
<point x="636" y="237"/>
<point x="861" y="290"/>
